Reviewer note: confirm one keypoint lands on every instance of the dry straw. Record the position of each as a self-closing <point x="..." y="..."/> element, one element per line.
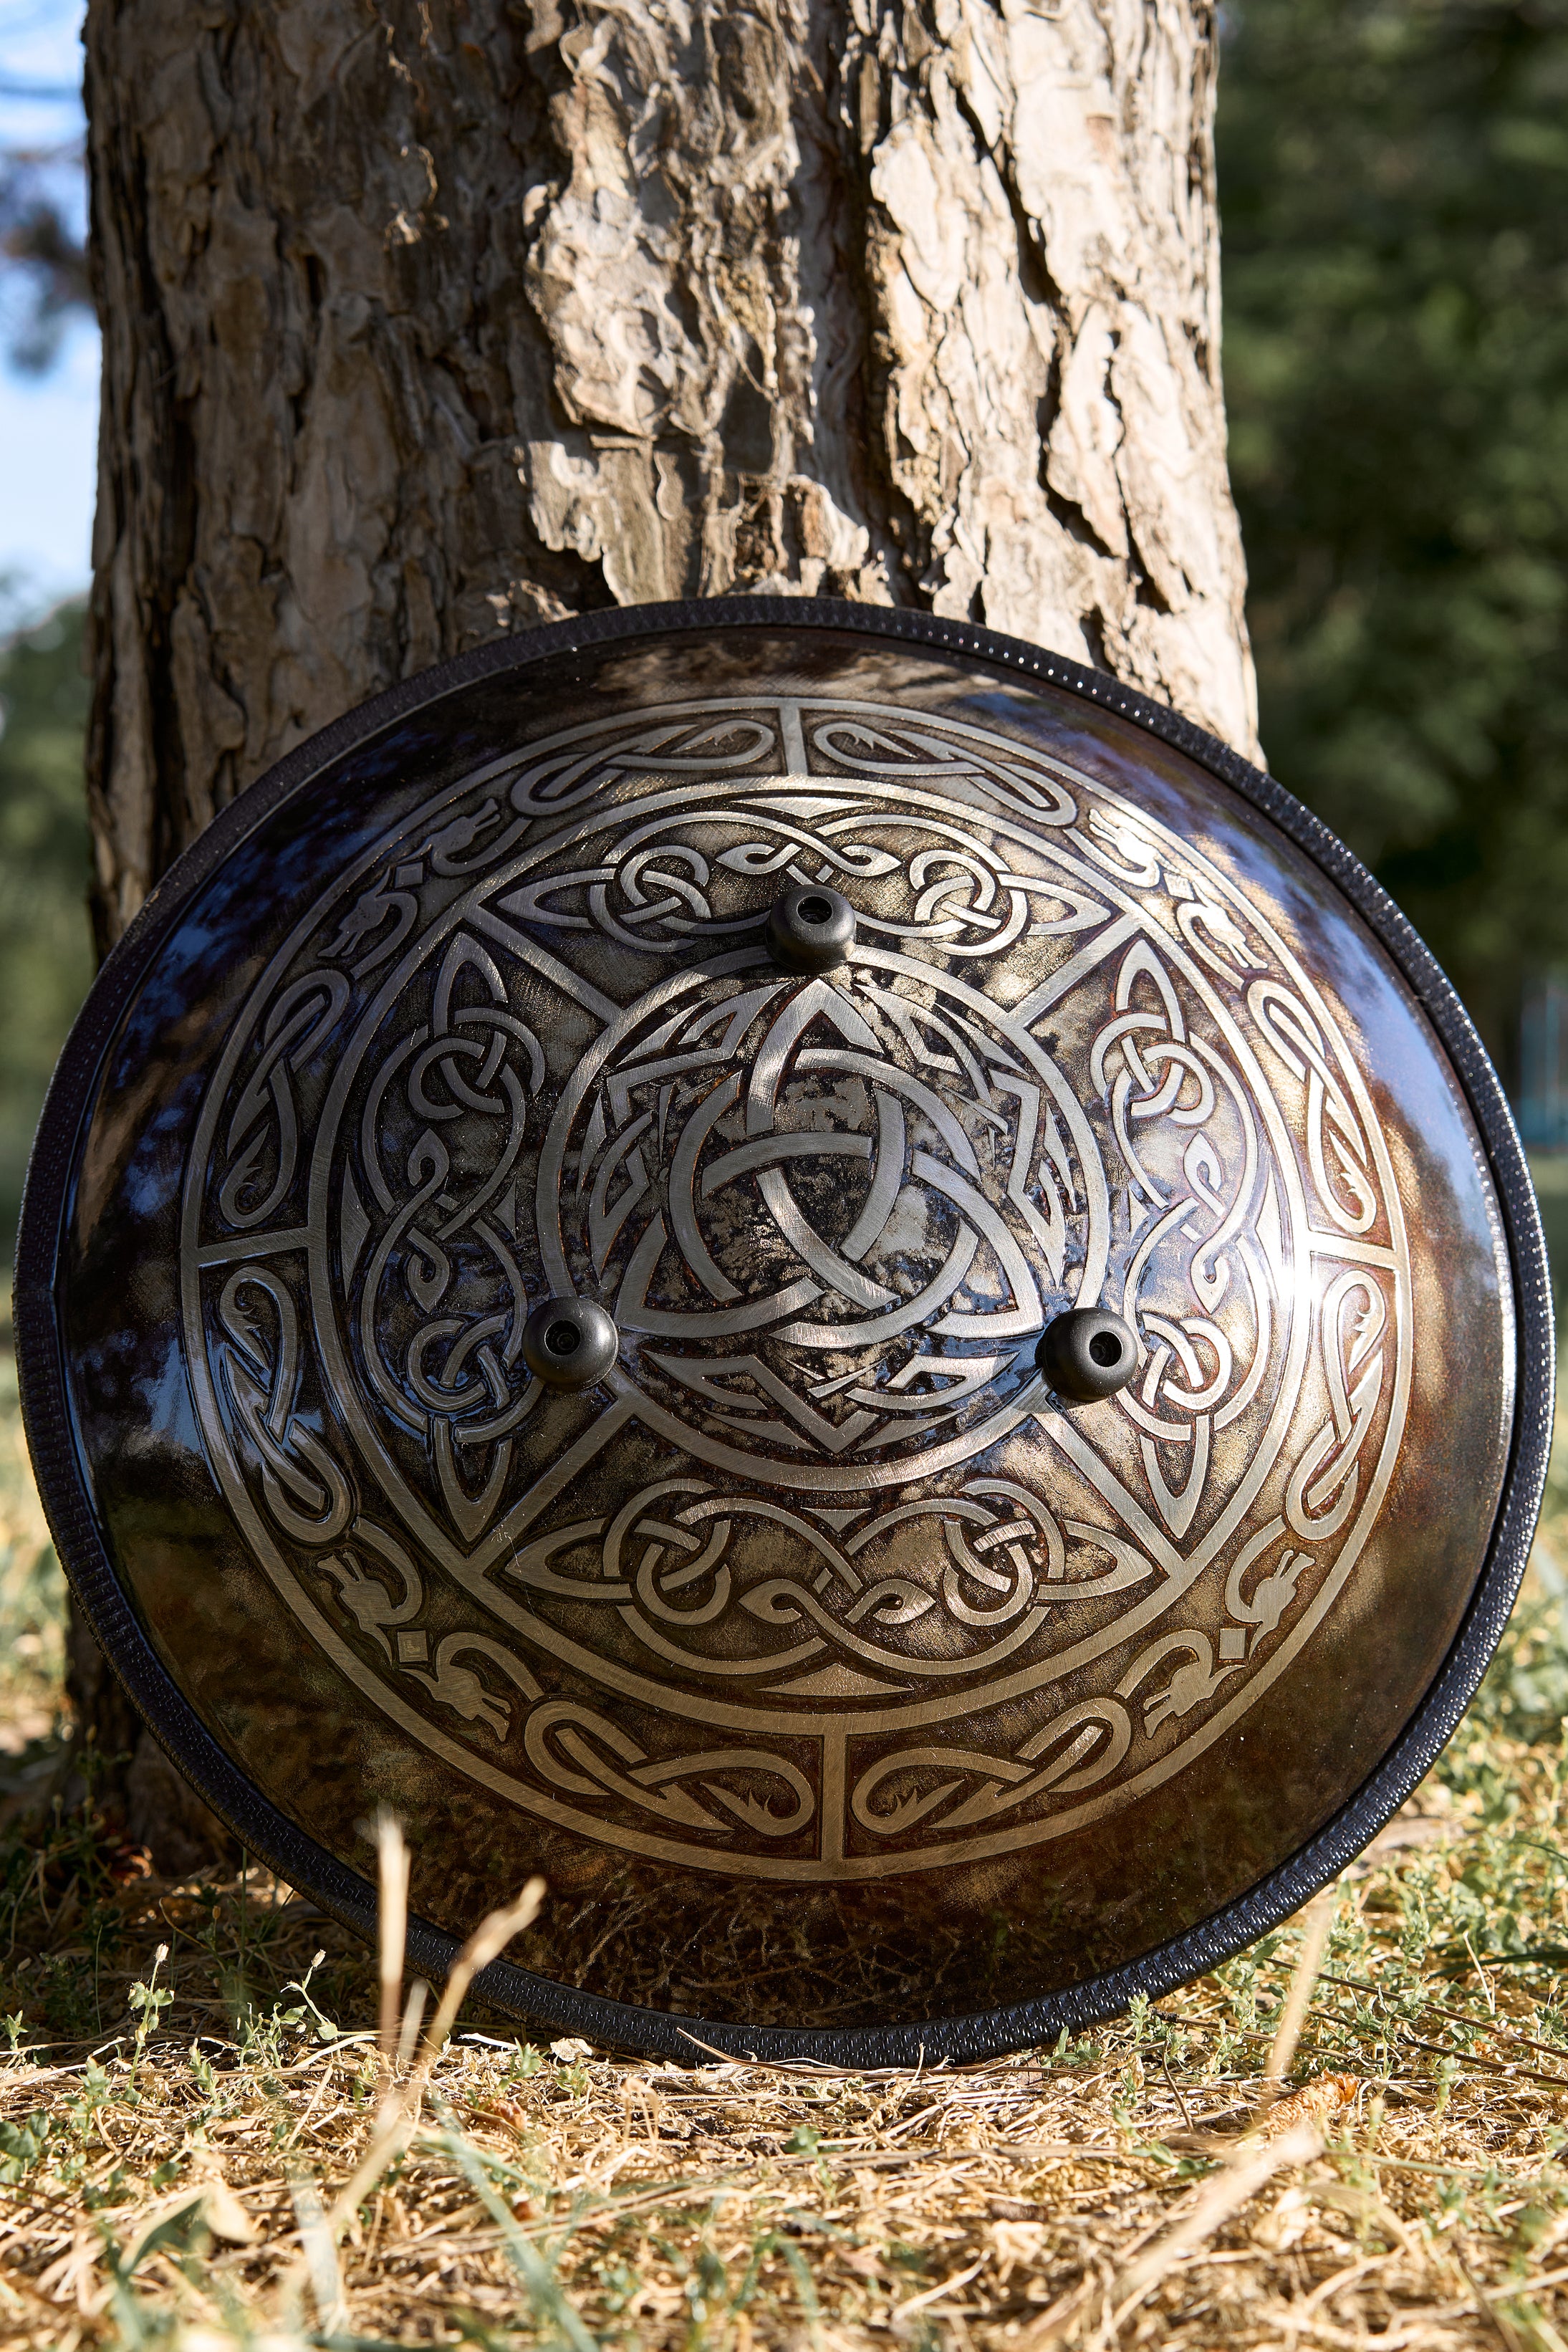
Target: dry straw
<point x="224" y="2125"/>
<point x="292" y="2185"/>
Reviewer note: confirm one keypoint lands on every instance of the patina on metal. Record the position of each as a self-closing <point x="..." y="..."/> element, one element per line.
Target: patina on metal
<point x="1060" y="1363"/>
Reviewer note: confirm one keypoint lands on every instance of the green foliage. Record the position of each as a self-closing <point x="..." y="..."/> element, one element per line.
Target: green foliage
<point x="45" y="949"/>
<point x="1394" y="187"/>
<point x="22" y="2145"/>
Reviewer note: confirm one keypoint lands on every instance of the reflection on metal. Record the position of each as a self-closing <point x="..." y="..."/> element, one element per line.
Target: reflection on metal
<point x="850" y="1644"/>
<point x="1067" y="1064"/>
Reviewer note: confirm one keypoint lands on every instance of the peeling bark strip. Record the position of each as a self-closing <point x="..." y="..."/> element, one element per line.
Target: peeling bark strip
<point x="423" y="319"/>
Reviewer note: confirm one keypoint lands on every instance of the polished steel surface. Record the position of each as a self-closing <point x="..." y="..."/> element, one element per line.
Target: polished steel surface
<point x="833" y="1664"/>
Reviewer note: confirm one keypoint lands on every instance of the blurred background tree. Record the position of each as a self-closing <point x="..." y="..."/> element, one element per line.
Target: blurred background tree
<point x="46" y="296"/>
<point x="1394" y="187"/>
<point x="45" y="952"/>
<point x="45" y="273"/>
<point x="45" y="281"/>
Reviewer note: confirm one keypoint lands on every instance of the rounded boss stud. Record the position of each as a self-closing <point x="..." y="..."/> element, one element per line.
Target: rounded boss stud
<point x="810" y="930"/>
<point x="569" y="1343"/>
<point x="1087" y="1353"/>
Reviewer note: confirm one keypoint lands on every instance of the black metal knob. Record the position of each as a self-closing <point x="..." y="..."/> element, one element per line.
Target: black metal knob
<point x="1087" y="1353"/>
<point x="810" y="930"/>
<point x="569" y="1343"/>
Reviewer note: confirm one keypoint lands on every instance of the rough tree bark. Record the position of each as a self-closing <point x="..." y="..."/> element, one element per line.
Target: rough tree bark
<point x="425" y="320"/>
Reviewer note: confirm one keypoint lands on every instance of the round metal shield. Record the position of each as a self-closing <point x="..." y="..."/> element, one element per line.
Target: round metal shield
<point x="834" y="999"/>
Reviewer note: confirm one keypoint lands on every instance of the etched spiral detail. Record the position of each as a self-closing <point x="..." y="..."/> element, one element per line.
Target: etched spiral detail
<point x="856" y="1592"/>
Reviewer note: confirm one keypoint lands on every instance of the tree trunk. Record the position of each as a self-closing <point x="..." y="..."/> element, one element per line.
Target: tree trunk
<point x="424" y="321"/>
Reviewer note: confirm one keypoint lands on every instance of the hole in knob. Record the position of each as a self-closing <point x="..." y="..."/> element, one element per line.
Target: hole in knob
<point x="569" y="1343"/>
<point x="1087" y="1354"/>
<point x="810" y="928"/>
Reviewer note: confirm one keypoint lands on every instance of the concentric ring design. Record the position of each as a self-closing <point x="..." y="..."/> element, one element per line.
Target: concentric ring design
<point x="540" y="1050"/>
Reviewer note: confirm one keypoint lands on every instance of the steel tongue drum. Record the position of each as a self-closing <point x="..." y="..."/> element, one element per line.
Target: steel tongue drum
<point x="815" y="1273"/>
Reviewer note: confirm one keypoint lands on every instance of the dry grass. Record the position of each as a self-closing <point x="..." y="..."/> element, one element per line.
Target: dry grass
<point x="203" y="2144"/>
<point x="32" y="1649"/>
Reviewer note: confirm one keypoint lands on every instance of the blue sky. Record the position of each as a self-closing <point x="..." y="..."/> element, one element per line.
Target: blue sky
<point x="48" y="424"/>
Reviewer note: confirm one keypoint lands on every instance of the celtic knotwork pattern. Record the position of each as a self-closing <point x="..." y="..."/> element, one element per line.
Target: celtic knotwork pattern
<point x="580" y="1752"/>
<point x="859" y="1594"/>
<point x="930" y="1592"/>
<point x="1074" y="1750"/>
<point x="305" y="1489"/>
<point x="823" y="1206"/>
<point x="262" y="1145"/>
<point x="1176" y="1100"/>
<point x="429" y="1248"/>
<point x="1346" y="1192"/>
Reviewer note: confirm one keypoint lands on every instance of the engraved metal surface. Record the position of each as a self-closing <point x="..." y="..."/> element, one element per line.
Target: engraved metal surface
<point x="859" y="1695"/>
<point x="531" y="1044"/>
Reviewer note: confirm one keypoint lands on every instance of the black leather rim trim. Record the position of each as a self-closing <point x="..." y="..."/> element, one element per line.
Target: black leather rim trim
<point x="350" y="1898"/>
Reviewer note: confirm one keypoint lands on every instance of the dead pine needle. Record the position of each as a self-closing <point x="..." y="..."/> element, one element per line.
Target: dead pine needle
<point x="1235" y="2185"/>
<point x="319" y="2257"/>
<point x="1317" y="1920"/>
<point x="408" y="2034"/>
<point x="392" y="1929"/>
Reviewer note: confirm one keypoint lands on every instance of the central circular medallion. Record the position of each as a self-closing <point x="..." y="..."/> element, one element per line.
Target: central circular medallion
<point x="834" y="1213"/>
